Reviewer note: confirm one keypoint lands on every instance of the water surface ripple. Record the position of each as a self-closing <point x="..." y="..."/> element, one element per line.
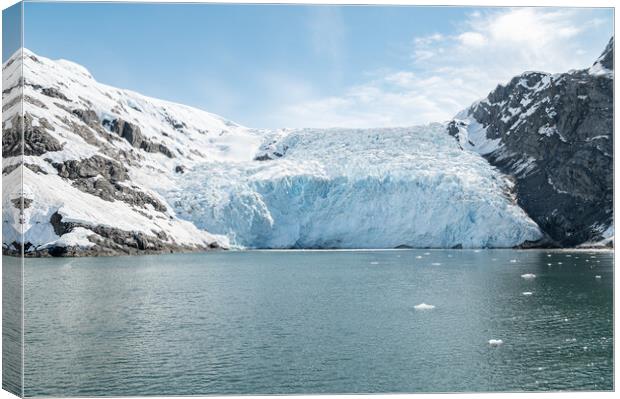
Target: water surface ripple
<point x="264" y="322"/>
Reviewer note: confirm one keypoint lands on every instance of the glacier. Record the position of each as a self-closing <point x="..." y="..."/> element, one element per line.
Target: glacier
<point x="355" y="188"/>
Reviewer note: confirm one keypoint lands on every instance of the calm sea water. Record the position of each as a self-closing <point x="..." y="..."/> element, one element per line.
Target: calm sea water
<point x="319" y="322"/>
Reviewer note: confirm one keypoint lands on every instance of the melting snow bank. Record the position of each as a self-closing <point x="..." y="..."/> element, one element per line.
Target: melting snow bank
<point x="344" y="188"/>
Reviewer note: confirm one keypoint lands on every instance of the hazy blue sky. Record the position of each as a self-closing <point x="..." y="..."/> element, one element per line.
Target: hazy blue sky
<point x="270" y="66"/>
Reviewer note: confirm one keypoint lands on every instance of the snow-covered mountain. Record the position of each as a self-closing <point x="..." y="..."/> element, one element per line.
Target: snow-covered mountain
<point x="95" y="158"/>
<point x="553" y="133"/>
<point x="110" y="171"/>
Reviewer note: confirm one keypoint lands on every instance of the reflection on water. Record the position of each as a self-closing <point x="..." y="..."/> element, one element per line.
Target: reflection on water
<point x="318" y="322"/>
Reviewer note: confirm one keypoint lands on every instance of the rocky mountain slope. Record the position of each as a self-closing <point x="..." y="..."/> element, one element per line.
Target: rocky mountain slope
<point x="108" y="171"/>
<point x="94" y="160"/>
<point x="553" y="133"/>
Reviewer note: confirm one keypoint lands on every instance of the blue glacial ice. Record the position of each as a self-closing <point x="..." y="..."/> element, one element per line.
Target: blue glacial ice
<point x="355" y="188"/>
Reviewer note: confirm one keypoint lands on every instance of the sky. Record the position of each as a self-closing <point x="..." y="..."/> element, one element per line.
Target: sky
<point x="269" y="66"/>
<point x="11" y="30"/>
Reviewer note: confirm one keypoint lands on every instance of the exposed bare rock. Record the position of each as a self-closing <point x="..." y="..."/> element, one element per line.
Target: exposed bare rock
<point x="36" y="140"/>
<point x="133" y="135"/>
<point x="91" y="167"/>
<point x="554" y="134"/>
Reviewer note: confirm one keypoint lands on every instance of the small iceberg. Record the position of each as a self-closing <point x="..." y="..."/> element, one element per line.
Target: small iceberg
<point x="495" y="342"/>
<point x="527" y="293"/>
<point x="528" y="276"/>
<point x="424" y="306"/>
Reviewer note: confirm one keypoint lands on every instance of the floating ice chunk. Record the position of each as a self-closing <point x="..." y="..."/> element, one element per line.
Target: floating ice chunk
<point x="513" y="261"/>
<point x="528" y="276"/>
<point x="570" y="340"/>
<point x="527" y="293"/>
<point x="548" y="255"/>
<point x="548" y="264"/>
<point x="598" y="276"/>
<point x="427" y="253"/>
<point x="477" y="250"/>
<point x="418" y="257"/>
<point x="436" y="264"/>
<point x="495" y="342"/>
<point x="559" y="263"/>
<point x="374" y="263"/>
<point x="424" y="306"/>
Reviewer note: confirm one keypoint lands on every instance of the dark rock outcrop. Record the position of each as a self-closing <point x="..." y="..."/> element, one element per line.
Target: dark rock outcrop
<point x="133" y="135"/>
<point x="88" y="116"/>
<point x="91" y="167"/>
<point x="53" y="92"/>
<point x="113" y="190"/>
<point x="104" y="178"/>
<point x="36" y="140"/>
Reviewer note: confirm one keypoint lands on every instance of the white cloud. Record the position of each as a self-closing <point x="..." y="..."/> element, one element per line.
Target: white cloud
<point x="449" y="72"/>
<point x="425" y="40"/>
<point x="472" y="39"/>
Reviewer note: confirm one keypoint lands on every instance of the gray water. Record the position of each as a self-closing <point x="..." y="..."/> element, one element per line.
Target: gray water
<point x="319" y="322"/>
